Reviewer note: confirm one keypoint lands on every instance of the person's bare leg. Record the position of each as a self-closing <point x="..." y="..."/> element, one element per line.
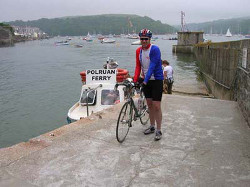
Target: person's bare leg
<point x="151" y="112"/>
<point x="157" y="113"/>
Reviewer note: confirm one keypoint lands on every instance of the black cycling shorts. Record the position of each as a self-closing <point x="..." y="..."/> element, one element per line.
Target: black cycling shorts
<point x="153" y="90"/>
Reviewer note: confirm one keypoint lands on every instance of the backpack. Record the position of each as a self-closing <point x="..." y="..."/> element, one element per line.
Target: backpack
<point x="171" y="80"/>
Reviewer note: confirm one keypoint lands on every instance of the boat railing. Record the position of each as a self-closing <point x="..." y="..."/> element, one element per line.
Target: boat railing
<point x="87" y="100"/>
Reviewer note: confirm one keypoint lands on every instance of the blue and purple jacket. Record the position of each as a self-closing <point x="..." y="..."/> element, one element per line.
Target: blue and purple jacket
<point x="155" y="65"/>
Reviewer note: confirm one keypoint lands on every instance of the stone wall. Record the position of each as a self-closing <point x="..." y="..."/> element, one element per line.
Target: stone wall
<point x="189" y="38"/>
<point x="242" y="93"/>
<point x="225" y="67"/>
<point x="188" y="49"/>
<point x="6" y="37"/>
<point x="186" y="41"/>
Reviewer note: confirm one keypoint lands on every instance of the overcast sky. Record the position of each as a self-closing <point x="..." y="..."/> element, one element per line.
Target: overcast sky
<point x="167" y="11"/>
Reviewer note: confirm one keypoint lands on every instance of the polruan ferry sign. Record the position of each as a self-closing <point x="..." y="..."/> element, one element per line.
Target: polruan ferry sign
<point x="100" y="76"/>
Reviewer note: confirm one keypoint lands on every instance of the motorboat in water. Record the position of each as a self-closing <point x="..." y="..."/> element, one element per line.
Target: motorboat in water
<point x="133" y="36"/>
<point x="138" y="42"/>
<point x="107" y="40"/>
<point x="98" y="92"/>
<point x="100" y="37"/>
<point x="88" y="38"/>
<point x="78" y="45"/>
<point x="58" y="43"/>
<point x="173" y="38"/>
<point x="117" y="36"/>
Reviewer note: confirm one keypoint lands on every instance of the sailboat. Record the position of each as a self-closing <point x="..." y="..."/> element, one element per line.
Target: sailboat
<point x="228" y="34"/>
<point x="89" y="38"/>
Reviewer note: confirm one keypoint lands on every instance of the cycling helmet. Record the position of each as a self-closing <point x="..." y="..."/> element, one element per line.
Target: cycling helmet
<point x="145" y="33"/>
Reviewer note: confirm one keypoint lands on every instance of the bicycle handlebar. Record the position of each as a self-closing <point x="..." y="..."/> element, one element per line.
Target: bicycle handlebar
<point x="128" y="84"/>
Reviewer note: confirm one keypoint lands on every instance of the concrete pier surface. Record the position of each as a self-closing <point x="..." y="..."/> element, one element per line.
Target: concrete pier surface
<point x="206" y="142"/>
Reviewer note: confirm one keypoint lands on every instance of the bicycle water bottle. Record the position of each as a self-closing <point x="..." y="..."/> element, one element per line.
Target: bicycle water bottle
<point x="136" y="102"/>
<point x="140" y="103"/>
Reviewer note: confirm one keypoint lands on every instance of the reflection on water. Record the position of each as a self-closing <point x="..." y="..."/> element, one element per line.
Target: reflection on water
<point x="188" y="63"/>
<point x="185" y="74"/>
<point x="39" y="81"/>
<point x="185" y="58"/>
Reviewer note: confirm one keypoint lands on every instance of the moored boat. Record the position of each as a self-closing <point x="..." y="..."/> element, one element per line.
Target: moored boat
<point x="133" y="36"/>
<point x="100" y="37"/>
<point x="98" y="92"/>
<point x="107" y="40"/>
<point x="228" y="34"/>
<point x="138" y="42"/>
<point x="88" y="38"/>
<point x="78" y="45"/>
<point x="58" y="43"/>
<point x="117" y="36"/>
<point x="94" y="98"/>
<point x="173" y="38"/>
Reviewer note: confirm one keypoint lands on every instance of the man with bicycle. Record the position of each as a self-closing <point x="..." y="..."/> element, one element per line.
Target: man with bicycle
<point x="149" y="66"/>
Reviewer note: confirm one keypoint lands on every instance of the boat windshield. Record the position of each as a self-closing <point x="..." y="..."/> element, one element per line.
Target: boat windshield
<point x="110" y="97"/>
<point x="88" y="97"/>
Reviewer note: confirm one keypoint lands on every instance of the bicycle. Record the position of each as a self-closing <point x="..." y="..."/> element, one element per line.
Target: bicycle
<point x="129" y="112"/>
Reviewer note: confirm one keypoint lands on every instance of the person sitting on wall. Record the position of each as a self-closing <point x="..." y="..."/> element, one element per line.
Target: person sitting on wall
<point x="168" y="77"/>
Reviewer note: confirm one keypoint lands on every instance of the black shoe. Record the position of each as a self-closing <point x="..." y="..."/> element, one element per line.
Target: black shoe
<point x="149" y="130"/>
<point x="158" y="135"/>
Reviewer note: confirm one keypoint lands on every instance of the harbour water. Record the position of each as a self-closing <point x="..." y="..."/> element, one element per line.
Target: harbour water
<point x="39" y="81"/>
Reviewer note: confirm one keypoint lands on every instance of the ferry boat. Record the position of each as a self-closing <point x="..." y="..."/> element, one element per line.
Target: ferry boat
<point x="98" y="92"/>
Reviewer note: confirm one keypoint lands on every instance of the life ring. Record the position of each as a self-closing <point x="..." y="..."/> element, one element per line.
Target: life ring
<point x="121" y="75"/>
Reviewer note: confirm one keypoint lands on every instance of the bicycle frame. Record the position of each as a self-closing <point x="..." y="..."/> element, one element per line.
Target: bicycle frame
<point x="132" y="103"/>
<point x="129" y="111"/>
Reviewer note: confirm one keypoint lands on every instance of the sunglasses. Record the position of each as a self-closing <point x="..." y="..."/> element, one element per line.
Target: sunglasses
<point x="144" y="39"/>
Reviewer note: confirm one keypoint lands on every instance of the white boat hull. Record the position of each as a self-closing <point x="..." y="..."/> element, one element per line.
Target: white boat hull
<point x="78" y="111"/>
<point x="108" y="41"/>
<point x="136" y="42"/>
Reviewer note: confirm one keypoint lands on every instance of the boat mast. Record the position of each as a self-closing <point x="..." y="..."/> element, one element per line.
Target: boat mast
<point x="183" y="24"/>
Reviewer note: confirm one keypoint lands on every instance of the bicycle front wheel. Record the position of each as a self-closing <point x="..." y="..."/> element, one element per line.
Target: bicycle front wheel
<point x="124" y="122"/>
<point x="144" y="113"/>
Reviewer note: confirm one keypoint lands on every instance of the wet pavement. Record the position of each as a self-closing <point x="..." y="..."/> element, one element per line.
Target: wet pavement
<point x="205" y="142"/>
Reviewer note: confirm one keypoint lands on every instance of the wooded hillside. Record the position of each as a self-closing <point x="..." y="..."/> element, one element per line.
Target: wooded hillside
<point x="98" y="24"/>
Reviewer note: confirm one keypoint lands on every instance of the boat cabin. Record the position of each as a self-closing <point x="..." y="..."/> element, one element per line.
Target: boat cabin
<point x="107" y="96"/>
<point x="95" y="98"/>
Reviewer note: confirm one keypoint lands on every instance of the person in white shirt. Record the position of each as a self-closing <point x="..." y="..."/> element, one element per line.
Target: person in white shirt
<point x="168" y="77"/>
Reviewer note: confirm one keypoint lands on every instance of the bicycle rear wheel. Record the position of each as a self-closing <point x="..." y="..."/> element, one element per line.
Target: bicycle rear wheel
<point x="144" y="113"/>
<point x="124" y="122"/>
